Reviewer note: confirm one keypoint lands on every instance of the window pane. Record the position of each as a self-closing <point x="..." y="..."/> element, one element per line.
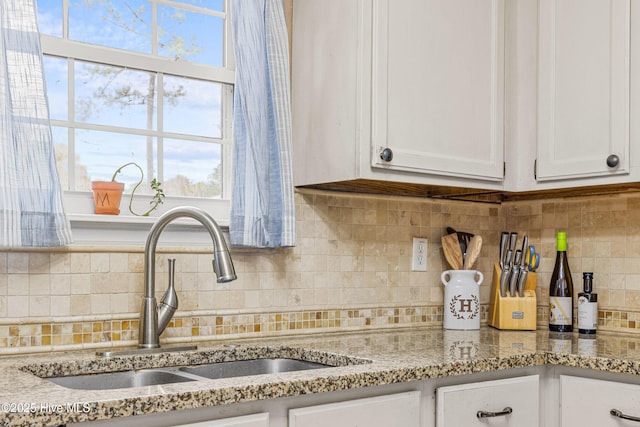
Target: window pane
<point x="57" y="86"/>
<point x="194" y="37"/>
<point x="192" y="168"/>
<point x="100" y="154"/>
<point x="61" y="148"/>
<point x="123" y="25"/>
<point x="192" y="107"/>
<point x="99" y="107"/>
<point x="50" y="17"/>
<point x="115" y="96"/>
<point x="209" y="4"/>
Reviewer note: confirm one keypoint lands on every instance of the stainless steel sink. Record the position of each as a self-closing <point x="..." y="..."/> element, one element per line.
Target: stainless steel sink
<point x="160" y="376"/>
<point x="126" y="379"/>
<point x="243" y="368"/>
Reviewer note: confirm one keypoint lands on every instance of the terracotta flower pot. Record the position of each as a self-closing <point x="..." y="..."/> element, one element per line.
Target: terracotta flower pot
<point x="107" y="196"/>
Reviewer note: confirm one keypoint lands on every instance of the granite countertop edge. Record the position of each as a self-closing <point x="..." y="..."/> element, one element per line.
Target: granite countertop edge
<point x="376" y="358"/>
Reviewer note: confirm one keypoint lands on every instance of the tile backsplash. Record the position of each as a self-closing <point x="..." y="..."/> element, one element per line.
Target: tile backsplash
<point x="350" y="269"/>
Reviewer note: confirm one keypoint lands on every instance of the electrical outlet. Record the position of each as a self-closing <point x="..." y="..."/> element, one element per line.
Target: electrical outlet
<point x="419" y="256"/>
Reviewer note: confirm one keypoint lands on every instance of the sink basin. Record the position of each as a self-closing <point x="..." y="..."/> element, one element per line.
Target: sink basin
<point x="125" y="379"/>
<point x="243" y="368"/>
<point x="136" y="368"/>
<point x="160" y="376"/>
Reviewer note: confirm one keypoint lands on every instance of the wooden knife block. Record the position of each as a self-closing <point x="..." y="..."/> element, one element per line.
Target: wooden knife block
<point x="517" y="313"/>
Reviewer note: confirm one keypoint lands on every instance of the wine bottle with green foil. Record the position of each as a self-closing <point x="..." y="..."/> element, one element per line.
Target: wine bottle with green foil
<point x="561" y="290"/>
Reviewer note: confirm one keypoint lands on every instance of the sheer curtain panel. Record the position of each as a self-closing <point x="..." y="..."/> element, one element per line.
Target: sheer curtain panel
<point x="31" y="211"/>
<point x="262" y="201"/>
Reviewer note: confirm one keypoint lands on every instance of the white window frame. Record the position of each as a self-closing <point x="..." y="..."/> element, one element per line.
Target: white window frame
<point x="90" y="229"/>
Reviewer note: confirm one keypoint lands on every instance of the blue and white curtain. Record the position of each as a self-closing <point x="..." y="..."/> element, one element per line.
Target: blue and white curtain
<point x="262" y="201"/>
<point x="31" y="211"/>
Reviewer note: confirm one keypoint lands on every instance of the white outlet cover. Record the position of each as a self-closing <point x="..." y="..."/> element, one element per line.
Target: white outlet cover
<point x="419" y="254"/>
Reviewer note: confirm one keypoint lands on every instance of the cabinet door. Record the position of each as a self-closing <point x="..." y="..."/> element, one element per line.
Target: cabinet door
<point x="401" y="409"/>
<point x="257" y="420"/>
<point x="326" y="50"/>
<point x="460" y="405"/>
<point x="583" y="88"/>
<point x="438" y="86"/>
<point x="589" y="402"/>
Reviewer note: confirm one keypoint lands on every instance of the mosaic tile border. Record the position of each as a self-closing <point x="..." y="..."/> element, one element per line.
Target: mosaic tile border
<point x="72" y="335"/>
<point x="608" y="319"/>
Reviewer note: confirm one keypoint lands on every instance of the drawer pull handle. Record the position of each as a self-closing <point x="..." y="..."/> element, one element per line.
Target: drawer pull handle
<point x="486" y="414"/>
<point x="618" y="413"/>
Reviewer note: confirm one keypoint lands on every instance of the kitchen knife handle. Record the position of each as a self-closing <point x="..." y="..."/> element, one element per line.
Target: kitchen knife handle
<point x="522" y="279"/>
<point x="618" y="413"/>
<point x="505" y="411"/>
<point x="525" y="246"/>
<point x="504" y="239"/>
<point x="504" y="279"/>
<point x="513" y="280"/>
<point x="513" y="238"/>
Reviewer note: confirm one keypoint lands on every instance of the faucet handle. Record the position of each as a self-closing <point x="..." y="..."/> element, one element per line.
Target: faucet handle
<point x="169" y="302"/>
<point x="170" y="297"/>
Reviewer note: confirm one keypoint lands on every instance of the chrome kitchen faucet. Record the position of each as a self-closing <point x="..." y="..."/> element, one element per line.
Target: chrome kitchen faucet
<point x="154" y="319"/>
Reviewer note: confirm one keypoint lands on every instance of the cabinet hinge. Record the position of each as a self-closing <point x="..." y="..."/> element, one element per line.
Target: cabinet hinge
<point x="535" y="169"/>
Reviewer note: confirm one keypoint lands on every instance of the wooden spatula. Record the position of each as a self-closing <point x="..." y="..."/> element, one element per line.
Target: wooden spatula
<point x="452" y="251"/>
<point x="473" y="251"/>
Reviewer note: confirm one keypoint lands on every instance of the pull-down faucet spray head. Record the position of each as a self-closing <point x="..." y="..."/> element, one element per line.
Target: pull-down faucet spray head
<point x="223" y="266"/>
<point x="153" y="320"/>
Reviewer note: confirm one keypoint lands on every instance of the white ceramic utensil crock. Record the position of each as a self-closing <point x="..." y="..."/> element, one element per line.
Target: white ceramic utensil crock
<point x="461" y="298"/>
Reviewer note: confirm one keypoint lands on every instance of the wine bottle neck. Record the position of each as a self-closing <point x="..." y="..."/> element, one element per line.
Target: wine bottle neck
<point x="561" y="242"/>
<point x="587" y="287"/>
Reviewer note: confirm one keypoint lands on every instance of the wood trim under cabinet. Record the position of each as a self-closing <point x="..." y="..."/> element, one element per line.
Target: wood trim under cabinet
<point x="369" y="186"/>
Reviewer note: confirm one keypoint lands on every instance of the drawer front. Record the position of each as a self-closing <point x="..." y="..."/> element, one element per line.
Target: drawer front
<point x="508" y="402"/>
<point x="401" y="409"/>
<point x="257" y="420"/>
<point x="588" y="402"/>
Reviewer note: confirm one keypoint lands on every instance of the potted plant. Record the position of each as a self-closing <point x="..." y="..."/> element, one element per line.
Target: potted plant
<point x="108" y="194"/>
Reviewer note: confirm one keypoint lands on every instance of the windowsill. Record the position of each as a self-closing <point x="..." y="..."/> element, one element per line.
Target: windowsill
<point x="127" y="231"/>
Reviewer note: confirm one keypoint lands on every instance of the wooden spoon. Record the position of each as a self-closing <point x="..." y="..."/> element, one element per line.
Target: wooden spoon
<point x="473" y="251"/>
<point x="452" y="251"/>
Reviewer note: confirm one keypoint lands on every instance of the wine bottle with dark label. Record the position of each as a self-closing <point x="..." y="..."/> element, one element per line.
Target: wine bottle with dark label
<point x="587" y="306"/>
<point x="561" y="290"/>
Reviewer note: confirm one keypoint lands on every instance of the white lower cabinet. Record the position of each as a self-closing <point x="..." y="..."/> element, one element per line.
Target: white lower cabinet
<point x="505" y="402"/>
<point x="538" y="396"/>
<point x="591" y="402"/>
<point x="219" y="417"/>
<point x="257" y="420"/>
<point x="401" y="409"/>
<point x="451" y="401"/>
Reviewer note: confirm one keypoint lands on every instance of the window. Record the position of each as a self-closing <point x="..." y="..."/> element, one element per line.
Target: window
<point x="149" y="81"/>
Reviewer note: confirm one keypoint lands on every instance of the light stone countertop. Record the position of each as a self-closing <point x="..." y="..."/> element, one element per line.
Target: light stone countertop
<point x="375" y="357"/>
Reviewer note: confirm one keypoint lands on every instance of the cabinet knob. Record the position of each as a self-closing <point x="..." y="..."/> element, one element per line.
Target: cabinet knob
<point x="386" y="154"/>
<point x="613" y="161"/>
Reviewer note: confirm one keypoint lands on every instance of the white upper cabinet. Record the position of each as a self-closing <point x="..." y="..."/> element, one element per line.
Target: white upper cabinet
<point x="490" y="94"/>
<point x="583" y="88"/>
<point x="423" y="79"/>
<point x="438" y="87"/>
